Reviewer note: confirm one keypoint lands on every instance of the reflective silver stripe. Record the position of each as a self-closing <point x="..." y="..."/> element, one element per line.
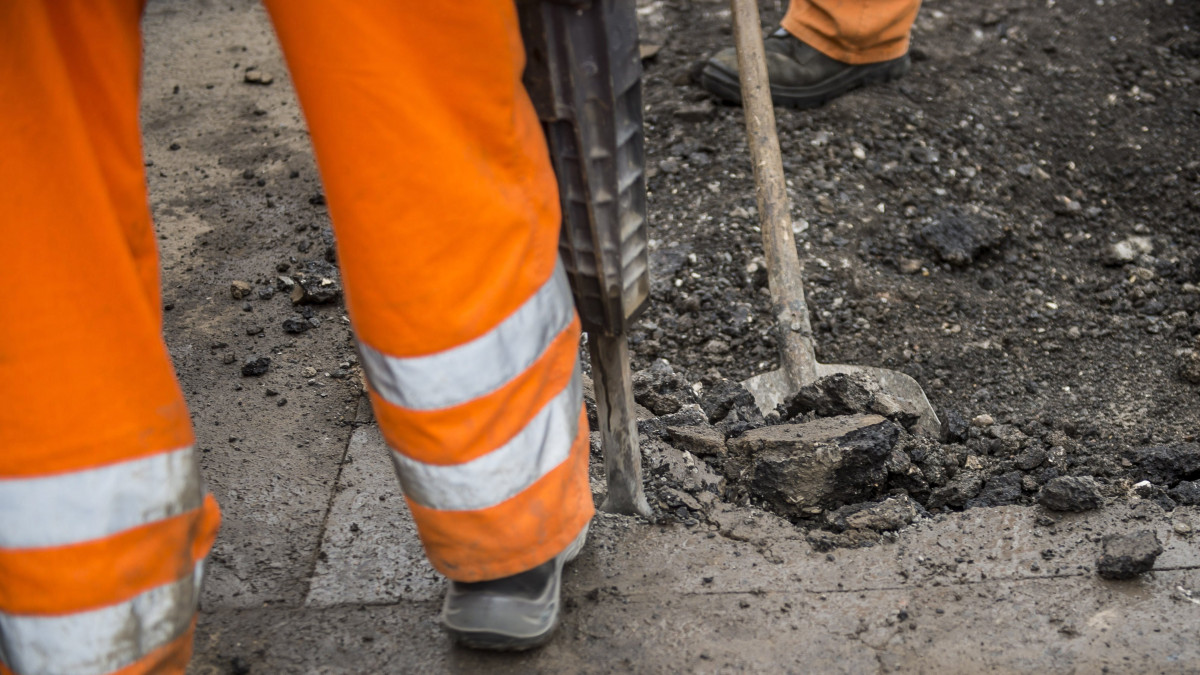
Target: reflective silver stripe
<point x="83" y="505"/>
<point x="503" y="473"/>
<point x="481" y="366"/>
<point x="102" y="640"/>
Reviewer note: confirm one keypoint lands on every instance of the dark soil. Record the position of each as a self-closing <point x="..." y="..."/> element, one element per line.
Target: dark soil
<point x="1015" y="224"/>
<point x="1034" y="265"/>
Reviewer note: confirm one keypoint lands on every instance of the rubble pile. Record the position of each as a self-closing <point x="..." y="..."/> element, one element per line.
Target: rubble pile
<point x="843" y="462"/>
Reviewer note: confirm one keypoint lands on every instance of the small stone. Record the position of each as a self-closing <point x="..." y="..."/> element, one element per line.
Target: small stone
<point x="1144" y="274"/>
<point x="1124" y="556"/>
<point x="922" y="155"/>
<point x="695" y="112"/>
<point x="1031" y="458"/>
<point x="228" y="358"/>
<point x="239" y="289"/>
<point x="1071" y="493"/>
<point x="886" y="516"/>
<point x="647" y="50"/>
<point x="1189" y="368"/>
<point x="253" y="330"/>
<point x="998" y="491"/>
<point x="1182" y="527"/>
<point x="661" y="389"/>
<point x="1186" y="493"/>
<point x="702" y="440"/>
<point x="296" y="324"/>
<point x="1028" y="483"/>
<point x="954" y="426"/>
<point x="255" y="365"/>
<point x="675" y="498"/>
<point x="656" y="427"/>
<point x="315" y="291"/>
<point x="265" y="293"/>
<point x="256" y="76"/>
<point x="983" y="421"/>
<point x="722" y="397"/>
<point x="281" y="402"/>
<point x="309" y="371"/>
<point x="965" y="486"/>
<point x="1128" y="250"/>
<point x="909" y="265"/>
<point x="716" y="346"/>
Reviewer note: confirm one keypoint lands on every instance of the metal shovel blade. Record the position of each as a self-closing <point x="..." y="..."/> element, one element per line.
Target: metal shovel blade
<point x="794" y="336"/>
<point x="774" y="387"/>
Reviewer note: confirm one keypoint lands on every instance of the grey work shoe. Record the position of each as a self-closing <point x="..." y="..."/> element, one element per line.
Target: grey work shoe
<point x="800" y="76"/>
<point x="510" y="614"/>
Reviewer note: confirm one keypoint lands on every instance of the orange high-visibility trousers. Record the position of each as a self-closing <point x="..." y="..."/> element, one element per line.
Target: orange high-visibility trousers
<point x="104" y="521"/>
<point x="853" y="31"/>
<point x="445" y="210"/>
<point x="446" y="215"/>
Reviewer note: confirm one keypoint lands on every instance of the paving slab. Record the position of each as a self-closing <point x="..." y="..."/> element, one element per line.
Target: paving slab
<point x="1009" y="589"/>
<point x="270" y="458"/>
<point x="370" y="552"/>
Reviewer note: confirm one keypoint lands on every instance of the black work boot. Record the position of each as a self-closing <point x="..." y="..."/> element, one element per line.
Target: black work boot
<point x="510" y="614"/>
<point x="800" y="76"/>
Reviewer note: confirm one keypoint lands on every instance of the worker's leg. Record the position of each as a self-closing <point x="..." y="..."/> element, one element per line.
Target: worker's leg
<point x="854" y="31"/>
<point x="824" y="49"/>
<point x="446" y="216"/>
<point x="103" y="519"/>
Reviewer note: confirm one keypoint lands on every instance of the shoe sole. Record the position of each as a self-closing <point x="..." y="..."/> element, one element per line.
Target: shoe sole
<point x="726" y="85"/>
<point x="500" y="642"/>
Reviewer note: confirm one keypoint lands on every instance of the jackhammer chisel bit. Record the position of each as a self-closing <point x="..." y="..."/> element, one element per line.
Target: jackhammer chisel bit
<point x="584" y="74"/>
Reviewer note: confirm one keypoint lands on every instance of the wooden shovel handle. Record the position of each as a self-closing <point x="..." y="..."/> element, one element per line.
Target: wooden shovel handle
<point x="792" y="325"/>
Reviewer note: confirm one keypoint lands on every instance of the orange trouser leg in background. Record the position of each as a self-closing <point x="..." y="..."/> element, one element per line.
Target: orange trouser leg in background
<point x="446" y="215"/>
<point x="854" y="31"/>
<point x="103" y="519"/>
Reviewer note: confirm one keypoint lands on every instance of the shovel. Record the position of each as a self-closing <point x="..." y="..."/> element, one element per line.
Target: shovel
<point x="793" y="330"/>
